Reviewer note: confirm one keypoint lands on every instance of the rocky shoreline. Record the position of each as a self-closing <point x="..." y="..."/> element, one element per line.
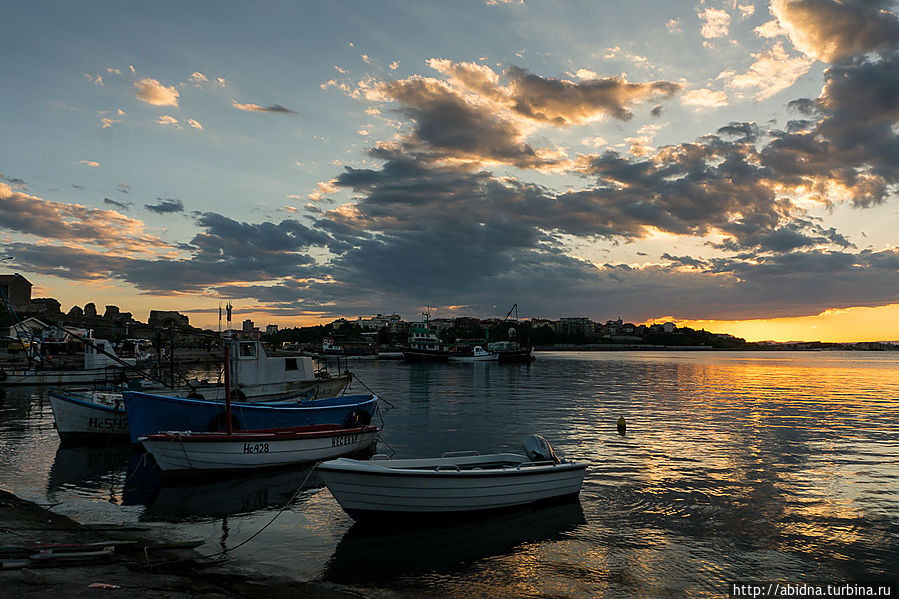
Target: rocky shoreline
<point x="141" y="565"/>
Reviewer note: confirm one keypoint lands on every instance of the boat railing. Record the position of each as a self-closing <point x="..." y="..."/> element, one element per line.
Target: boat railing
<point x="532" y="464"/>
<point x="454" y="467"/>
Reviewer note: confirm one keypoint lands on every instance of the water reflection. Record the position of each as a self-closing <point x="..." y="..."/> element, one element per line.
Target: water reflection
<point x="89" y="471"/>
<point x="215" y="499"/>
<point x="381" y="556"/>
<point x="735" y="466"/>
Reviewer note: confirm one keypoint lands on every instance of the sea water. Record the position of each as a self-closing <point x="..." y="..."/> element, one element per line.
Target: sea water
<point x="734" y="466"/>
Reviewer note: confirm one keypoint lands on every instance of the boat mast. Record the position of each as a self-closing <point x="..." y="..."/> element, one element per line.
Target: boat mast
<point x="227" y="369"/>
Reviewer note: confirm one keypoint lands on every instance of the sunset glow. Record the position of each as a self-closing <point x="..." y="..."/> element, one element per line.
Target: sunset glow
<point x="732" y="165"/>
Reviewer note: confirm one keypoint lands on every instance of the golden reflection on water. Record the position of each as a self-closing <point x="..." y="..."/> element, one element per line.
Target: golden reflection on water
<point x="734" y="466"/>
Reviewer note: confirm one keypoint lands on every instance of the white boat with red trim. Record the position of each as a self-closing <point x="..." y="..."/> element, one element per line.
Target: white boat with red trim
<point x="216" y="453"/>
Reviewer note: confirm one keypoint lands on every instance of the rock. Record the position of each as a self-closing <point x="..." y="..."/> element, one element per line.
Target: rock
<point x="32" y="577"/>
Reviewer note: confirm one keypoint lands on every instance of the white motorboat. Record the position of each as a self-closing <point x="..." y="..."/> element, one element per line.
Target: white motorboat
<point x="474" y="354"/>
<point x="456" y="482"/>
<point x="214" y="453"/>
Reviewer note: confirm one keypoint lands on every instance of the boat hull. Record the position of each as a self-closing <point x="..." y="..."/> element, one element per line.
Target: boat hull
<point x="516" y="355"/>
<point x="149" y="414"/>
<point x="375" y="493"/>
<point x="425" y="355"/>
<point x="85" y="418"/>
<point x="489" y="358"/>
<point x="215" y="453"/>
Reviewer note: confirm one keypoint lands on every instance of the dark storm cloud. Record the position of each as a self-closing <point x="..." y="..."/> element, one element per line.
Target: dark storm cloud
<point x="473" y="116"/>
<point x="834" y="31"/>
<point x="685" y="260"/>
<point x="257" y="108"/>
<point x="165" y="206"/>
<point x="227" y="237"/>
<point x="14" y="181"/>
<point x="562" y="102"/>
<point x="804" y="105"/>
<point x="445" y="122"/>
<point x="115" y="204"/>
<point x="31" y="215"/>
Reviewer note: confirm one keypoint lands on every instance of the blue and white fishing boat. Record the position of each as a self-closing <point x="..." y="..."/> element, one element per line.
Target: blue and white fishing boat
<point x="148" y="414"/>
<point x="86" y="416"/>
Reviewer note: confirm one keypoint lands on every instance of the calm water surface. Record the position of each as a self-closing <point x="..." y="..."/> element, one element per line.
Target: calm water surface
<point x="735" y="466"/>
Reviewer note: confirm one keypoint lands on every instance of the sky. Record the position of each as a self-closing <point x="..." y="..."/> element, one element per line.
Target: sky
<point x="731" y="165"/>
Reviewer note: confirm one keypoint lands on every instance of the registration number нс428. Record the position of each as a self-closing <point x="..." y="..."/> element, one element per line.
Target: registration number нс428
<point x="344" y="440"/>
<point x="255" y="447"/>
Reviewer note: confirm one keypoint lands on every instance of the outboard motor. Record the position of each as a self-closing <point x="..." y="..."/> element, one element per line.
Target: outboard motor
<point x="538" y="449"/>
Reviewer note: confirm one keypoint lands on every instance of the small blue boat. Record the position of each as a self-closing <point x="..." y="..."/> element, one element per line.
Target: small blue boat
<point x="149" y="414"/>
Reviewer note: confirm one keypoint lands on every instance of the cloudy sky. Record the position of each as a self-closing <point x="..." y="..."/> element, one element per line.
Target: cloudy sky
<point x="731" y="164"/>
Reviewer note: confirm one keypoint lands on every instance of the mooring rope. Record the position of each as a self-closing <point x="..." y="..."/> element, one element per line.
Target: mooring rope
<point x="248" y="539"/>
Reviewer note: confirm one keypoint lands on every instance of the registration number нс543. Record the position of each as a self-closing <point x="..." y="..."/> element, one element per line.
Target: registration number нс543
<point x="344" y="440"/>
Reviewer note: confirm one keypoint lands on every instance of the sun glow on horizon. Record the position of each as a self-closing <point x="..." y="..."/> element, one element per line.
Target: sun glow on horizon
<point x="859" y="323"/>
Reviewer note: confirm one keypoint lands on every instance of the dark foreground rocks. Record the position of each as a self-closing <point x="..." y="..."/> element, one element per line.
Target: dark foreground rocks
<point x="133" y="563"/>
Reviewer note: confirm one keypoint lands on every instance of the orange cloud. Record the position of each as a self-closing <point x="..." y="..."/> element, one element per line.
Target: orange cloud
<point x="153" y="92"/>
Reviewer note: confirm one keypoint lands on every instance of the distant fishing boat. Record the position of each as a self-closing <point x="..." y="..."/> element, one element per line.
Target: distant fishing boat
<point x="148" y="414"/>
<point x="512" y="350"/>
<point x="207" y="453"/>
<point x="424" y="345"/>
<point x="456" y="483"/>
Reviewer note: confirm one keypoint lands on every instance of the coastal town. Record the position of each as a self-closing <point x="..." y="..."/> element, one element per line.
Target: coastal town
<point x="365" y="335"/>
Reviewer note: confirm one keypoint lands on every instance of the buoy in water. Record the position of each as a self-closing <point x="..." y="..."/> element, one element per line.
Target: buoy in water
<point x="622" y="426"/>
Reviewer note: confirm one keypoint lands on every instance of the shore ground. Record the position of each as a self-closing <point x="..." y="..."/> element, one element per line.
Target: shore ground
<point x="136" y="568"/>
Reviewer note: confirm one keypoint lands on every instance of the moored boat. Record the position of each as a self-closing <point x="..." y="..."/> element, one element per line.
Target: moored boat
<point x="149" y="414"/>
<point x="91" y="416"/>
<point x="423" y="344"/>
<point x="87" y="416"/>
<point x="217" y="453"/>
<point x="100" y="365"/>
<point x="473" y="354"/>
<point x="457" y="483"/>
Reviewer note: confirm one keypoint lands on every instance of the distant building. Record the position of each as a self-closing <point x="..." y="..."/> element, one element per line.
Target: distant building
<point x="248" y="326"/>
<point x="576" y="326"/>
<point x="16" y="289"/>
<point x="165" y="318"/>
<point x="46" y="305"/>
<point x="271" y="329"/>
<point x="376" y="323"/>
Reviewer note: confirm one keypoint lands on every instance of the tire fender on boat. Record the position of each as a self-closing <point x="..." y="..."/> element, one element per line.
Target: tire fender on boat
<point x="356" y="418"/>
<point x="195" y="395"/>
<point x="239" y="395"/>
